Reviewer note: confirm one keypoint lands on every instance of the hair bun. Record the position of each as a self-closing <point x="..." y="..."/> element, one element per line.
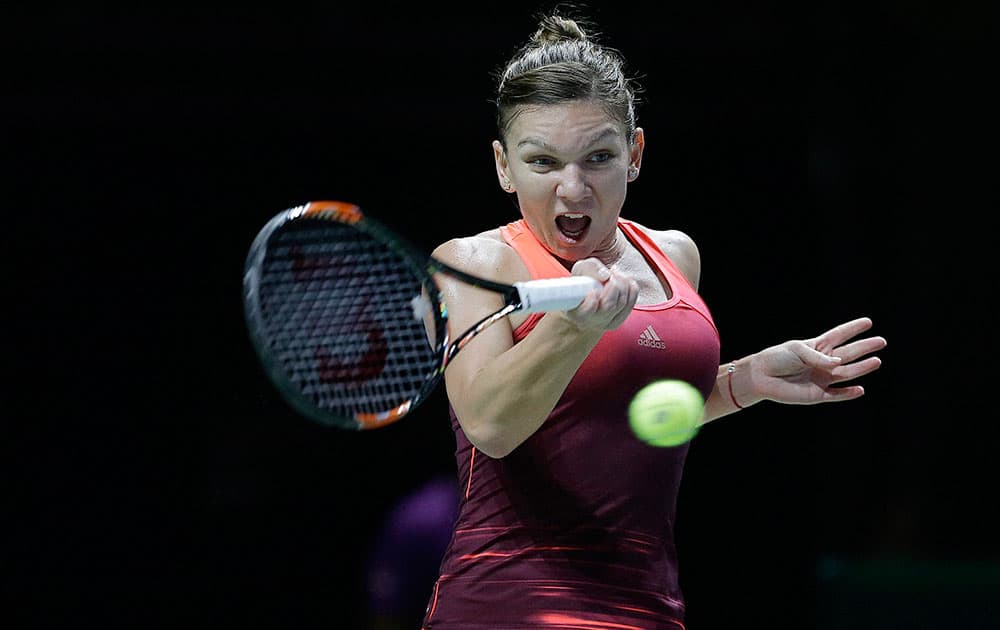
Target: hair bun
<point x="554" y="28"/>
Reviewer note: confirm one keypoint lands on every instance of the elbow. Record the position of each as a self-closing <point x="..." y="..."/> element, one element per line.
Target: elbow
<point x="493" y="451"/>
<point x="489" y="439"/>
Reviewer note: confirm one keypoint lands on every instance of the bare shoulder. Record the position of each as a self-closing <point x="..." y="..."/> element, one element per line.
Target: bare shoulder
<point x="681" y="249"/>
<point x="485" y="254"/>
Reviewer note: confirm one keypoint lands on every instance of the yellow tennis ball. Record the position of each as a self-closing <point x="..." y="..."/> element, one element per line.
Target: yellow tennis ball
<point x="666" y="412"/>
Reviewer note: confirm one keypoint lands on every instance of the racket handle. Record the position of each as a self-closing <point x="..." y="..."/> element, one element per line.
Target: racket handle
<point x="554" y="294"/>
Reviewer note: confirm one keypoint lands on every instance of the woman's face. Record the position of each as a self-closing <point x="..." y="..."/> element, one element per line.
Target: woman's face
<point x="569" y="165"/>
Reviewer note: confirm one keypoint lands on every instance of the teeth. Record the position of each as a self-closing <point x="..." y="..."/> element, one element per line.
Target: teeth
<point x="573" y="215"/>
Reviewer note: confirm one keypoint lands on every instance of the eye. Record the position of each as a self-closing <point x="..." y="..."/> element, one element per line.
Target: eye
<point x="541" y="161"/>
<point x="601" y="157"/>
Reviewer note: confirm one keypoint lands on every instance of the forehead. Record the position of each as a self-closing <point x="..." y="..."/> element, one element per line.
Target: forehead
<point x="566" y="126"/>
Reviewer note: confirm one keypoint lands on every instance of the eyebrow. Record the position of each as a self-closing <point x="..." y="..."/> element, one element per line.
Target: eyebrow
<point x="548" y="147"/>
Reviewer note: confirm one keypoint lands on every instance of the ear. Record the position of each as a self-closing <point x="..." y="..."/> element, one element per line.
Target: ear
<point x="502" y="166"/>
<point x="635" y="153"/>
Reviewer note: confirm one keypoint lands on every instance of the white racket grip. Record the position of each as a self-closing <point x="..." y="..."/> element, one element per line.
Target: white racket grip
<point x="554" y="294"/>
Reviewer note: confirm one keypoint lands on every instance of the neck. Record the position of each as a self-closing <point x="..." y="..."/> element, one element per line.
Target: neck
<point x="613" y="249"/>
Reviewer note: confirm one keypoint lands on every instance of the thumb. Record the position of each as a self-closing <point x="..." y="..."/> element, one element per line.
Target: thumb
<point x="591" y="267"/>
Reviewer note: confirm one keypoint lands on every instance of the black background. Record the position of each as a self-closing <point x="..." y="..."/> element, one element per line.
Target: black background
<point x="826" y="161"/>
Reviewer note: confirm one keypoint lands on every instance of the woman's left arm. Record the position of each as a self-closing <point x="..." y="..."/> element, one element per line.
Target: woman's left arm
<point x="801" y="372"/>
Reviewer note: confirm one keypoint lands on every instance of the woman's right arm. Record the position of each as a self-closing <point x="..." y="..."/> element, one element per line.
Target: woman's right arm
<point x="502" y="392"/>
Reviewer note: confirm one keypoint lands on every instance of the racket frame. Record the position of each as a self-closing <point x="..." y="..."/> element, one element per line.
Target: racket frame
<point x="421" y="265"/>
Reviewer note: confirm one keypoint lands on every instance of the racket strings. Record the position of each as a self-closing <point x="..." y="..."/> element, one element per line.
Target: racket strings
<point x="340" y="309"/>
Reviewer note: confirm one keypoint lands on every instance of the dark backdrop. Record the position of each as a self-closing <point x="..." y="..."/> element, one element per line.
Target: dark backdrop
<point x="823" y="160"/>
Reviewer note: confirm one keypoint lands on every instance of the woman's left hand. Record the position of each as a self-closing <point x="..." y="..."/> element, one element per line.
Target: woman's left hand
<point x="807" y="371"/>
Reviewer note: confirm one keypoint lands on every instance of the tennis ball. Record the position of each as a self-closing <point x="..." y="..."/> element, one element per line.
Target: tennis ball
<point x="666" y="412"/>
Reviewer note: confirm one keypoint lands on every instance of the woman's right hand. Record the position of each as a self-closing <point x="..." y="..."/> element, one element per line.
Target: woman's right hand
<point x="607" y="308"/>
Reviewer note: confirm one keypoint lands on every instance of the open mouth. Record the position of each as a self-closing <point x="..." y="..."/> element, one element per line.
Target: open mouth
<point x="573" y="225"/>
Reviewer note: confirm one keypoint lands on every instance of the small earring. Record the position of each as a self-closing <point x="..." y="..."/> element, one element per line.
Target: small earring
<point x="633" y="171"/>
<point x="506" y="184"/>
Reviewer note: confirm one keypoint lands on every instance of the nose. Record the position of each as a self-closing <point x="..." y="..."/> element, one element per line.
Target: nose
<point x="572" y="184"/>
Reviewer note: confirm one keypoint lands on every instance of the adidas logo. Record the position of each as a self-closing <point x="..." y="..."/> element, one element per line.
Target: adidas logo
<point x="650" y="339"/>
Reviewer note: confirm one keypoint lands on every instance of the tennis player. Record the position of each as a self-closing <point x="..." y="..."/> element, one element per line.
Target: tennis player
<point x="565" y="517"/>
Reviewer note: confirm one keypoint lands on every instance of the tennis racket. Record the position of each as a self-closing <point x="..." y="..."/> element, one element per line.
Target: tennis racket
<point x="347" y="321"/>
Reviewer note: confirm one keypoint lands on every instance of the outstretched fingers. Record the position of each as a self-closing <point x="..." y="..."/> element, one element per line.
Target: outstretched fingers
<point x="855" y="370"/>
<point x="836" y="341"/>
<point x="854" y="355"/>
<point x="837" y="394"/>
<point x="842" y="332"/>
<point x="856" y="349"/>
